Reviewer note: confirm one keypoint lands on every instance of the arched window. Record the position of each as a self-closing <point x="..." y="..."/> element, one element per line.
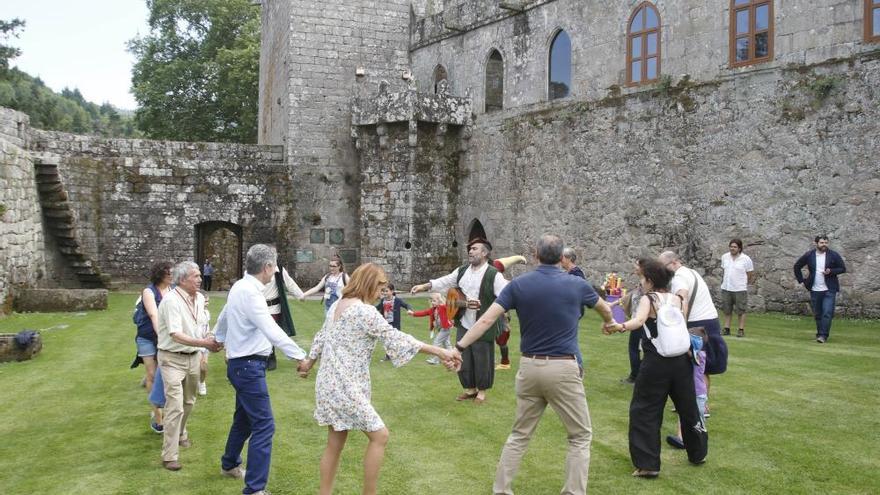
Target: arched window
<point x="439" y="75"/>
<point x="751" y="32"/>
<point x="643" y="45"/>
<point x="560" y="66"/>
<point x="872" y="20"/>
<point x="494" y="82"/>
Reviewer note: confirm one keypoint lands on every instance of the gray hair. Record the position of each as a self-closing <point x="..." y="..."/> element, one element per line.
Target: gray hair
<point x="569" y="254"/>
<point x="181" y="271"/>
<point x="549" y="249"/>
<point x="258" y="256"/>
<point x="669" y="257"/>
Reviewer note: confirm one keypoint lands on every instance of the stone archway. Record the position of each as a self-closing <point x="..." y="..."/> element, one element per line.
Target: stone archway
<point x="221" y="243"/>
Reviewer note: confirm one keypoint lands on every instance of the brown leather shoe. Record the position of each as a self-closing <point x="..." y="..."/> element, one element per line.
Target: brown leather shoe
<point x="171" y="465"/>
<point x="185" y="443"/>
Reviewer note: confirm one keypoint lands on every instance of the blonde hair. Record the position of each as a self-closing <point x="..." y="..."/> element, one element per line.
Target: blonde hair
<point x="365" y="282"/>
<point x="439" y="297"/>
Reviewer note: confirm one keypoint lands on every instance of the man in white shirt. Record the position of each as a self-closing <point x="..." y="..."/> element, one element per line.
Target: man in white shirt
<point x="481" y="283"/>
<point x="700" y="311"/>
<point x="181" y="317"/>
<point x="249" y="334"/>
<point x="739" y="273"/>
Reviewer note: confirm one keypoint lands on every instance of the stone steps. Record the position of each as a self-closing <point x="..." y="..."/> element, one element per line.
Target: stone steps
<point x="60" y="221"/>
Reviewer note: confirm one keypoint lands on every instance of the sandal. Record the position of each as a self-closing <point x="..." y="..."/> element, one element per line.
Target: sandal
<point x="644" y="473"/>
<point x="466" y="396"/>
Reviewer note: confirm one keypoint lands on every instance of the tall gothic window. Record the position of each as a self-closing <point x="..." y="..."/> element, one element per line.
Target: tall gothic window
<point x="439" y="75"/>
<point x="751" y="32"/>
<point x="872" y="20"/>
<point x="643" y="45"/>
<point x="560" y="66"/>
<point x="494" y="82"/>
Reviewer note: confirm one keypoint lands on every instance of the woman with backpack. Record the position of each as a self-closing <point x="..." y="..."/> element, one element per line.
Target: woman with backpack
<point x="145" y="318"/>
<point x="331" y="283"/>
<point x="666" y="371"/>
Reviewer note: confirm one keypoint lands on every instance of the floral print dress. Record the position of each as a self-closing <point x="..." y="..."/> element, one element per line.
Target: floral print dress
<point x="345" y="346"/>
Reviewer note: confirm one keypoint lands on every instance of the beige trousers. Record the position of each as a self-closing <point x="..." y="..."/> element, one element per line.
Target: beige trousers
<point x="540" y="382"/>
<point x="180" y="375"/>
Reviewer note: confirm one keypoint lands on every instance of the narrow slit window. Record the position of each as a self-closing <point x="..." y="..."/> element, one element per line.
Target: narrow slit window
<point x="560" y="66"/>
<point x="494" y="82"/>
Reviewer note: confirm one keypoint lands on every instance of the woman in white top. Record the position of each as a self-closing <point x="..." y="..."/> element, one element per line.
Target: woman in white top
<point x="332" y="283"/>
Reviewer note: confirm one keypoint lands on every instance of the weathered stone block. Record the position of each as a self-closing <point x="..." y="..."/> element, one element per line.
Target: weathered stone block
<point x="59" y="300"/>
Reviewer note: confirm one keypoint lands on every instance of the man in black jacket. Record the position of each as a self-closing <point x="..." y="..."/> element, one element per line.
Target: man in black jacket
<point x="823" y="267"/>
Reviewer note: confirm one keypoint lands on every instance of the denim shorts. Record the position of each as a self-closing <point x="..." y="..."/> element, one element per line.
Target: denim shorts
<point x="146" y="347"/>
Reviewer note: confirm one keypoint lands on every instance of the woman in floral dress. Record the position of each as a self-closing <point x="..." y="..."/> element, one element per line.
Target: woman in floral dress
<point x="342" y="389"/>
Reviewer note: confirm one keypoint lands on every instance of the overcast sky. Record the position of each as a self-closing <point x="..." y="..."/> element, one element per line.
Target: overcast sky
<point x="79" y="44"/>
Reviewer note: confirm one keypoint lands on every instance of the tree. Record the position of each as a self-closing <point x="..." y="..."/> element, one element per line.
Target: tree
<point x="8" y="29"/>
<point x="197" y="71"/>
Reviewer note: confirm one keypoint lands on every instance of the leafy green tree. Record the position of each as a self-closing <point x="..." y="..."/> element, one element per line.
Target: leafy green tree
<point x="197" y="71"/>
<point x="8" y="29"/>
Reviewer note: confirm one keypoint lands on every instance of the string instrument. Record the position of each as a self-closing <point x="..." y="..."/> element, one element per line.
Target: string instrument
<point x="455" y="300"/>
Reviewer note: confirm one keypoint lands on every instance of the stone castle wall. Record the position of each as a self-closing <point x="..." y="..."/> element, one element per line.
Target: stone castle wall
<point x="22" y="254"/>
<point x="137" y="201"/>
<point x="328" y="42"/>
<point x="694" y="40"/>
<point x="772" y="157"/>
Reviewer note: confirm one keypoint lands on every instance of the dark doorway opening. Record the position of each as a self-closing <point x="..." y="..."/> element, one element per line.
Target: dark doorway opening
<point x="221" y="243"/>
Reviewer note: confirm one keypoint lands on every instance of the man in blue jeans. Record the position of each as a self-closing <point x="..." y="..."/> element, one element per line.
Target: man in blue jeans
<point x="249" y="333"/>
<point x="823" y="267"/>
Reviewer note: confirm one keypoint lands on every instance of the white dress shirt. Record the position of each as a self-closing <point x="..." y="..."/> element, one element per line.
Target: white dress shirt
<point x="470" y="285"/>
<point x="245" y="326"/>
<point x="270" y="290"/>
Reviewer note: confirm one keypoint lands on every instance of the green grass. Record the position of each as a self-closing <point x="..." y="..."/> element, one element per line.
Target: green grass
<point x="789" y="416"/>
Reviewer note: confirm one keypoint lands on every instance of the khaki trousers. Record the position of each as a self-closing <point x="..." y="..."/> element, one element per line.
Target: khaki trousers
<point x="540" y="382"/>
<point x="180" y="374"/>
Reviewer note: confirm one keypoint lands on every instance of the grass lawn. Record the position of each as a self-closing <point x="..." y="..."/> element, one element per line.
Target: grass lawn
<point x="789" y="416"/>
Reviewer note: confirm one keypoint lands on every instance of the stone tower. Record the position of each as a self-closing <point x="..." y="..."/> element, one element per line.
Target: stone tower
<point x="315" y="57"/>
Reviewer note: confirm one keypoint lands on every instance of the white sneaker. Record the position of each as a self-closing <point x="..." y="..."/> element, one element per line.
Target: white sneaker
<point x="203" y="388"/>
<point x="237" y="472"/>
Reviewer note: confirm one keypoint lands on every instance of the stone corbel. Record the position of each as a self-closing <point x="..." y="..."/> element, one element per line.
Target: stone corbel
<point x="413" y="133"/>
<point x="382" y="132"/>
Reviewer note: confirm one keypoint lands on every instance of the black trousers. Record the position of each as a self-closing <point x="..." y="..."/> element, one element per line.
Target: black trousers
<point x="477" y="365"/>
<point x="660" y="377"/>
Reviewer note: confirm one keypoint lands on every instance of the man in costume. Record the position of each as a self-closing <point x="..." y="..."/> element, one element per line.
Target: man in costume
<point x="481" y="283"/>
<point x="276" y="292"/>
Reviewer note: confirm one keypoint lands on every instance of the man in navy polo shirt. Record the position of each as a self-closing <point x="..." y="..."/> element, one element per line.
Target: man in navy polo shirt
<point x="548" y="302"/>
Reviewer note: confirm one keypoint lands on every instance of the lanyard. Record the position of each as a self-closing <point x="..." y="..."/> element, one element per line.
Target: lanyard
<point x="190" y="307"/>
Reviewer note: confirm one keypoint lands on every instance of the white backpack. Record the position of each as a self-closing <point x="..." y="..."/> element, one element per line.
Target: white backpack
<point x="672" y="338"/>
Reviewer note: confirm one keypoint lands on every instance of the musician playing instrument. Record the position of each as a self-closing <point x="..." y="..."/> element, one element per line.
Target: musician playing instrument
<point x="481" y="283"/>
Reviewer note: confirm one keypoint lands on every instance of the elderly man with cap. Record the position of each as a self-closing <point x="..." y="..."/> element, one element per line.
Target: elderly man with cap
<point x="480" y="282"/>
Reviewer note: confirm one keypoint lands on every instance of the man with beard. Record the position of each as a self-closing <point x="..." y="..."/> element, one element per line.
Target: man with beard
<point x="823" y="267"/>
<point x="480" y="282"/>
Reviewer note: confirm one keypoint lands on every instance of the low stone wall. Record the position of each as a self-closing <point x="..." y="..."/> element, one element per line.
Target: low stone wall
<point x="60" y="300"/>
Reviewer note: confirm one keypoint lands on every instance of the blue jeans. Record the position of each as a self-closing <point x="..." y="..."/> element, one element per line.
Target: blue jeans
<point x="252" y="419"/>
<point x="823" y="310"/>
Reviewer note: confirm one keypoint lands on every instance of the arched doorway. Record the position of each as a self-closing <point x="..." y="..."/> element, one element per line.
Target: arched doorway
<point x="476" y="230"/>
<point x="221" y="243"/>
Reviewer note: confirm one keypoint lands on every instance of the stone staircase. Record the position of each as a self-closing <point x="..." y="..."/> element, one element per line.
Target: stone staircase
<point x="60" y="222"/>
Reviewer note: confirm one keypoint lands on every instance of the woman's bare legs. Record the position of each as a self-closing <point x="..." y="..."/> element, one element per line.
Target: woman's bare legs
<point x="330" y="459"/>
<point x="373" y="459"/>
